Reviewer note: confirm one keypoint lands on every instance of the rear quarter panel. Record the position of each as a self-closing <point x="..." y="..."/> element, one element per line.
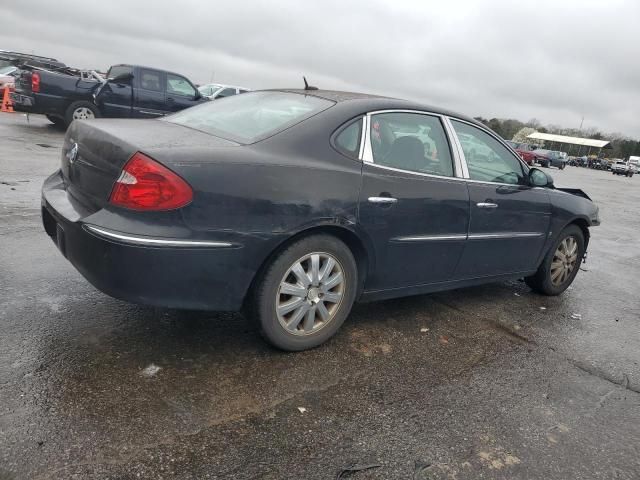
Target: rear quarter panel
<point x="261" y="195"/>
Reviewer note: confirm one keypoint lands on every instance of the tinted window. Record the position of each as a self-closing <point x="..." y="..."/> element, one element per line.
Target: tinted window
<point x="348" y="140"/>
<point x="150" y="80"/>
<point x="487" y="159"/>
<point x="250" y="117"/>
<point x="179" y="85"/>
<point x="118" y="70"/>
<point x="227" y="92"/>
<point x="410" y="141"/>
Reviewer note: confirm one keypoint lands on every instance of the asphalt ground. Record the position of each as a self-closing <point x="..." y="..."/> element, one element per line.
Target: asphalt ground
<point x="488" y="382"/>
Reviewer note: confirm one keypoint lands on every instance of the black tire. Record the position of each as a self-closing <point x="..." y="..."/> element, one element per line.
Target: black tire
<point x="541" y="280"/>
<point x="57" y="121"/>
<point x="561" y="167"/>
<point x="78" y="106"/>
<point x="267" y="293"/>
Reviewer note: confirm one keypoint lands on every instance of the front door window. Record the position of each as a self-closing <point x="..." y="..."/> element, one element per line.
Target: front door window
<point x="487" y="159"/>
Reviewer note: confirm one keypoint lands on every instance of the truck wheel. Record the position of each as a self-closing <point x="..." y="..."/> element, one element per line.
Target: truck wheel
<point x="561" y="167"/>
<point x="306" y="293"/>
<point x="81" y="110"/>
<point x="561" y="263"/>
<point x="57" y="121"/>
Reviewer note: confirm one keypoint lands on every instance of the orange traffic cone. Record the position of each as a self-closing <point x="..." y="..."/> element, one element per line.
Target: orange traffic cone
<point x="7" y="104"/>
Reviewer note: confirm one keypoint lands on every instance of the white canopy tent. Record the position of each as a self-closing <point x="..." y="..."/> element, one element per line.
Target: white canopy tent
<point x="564" y="139"/>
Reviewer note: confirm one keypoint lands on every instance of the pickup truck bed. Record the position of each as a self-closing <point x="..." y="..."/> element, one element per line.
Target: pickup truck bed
<point x="54" y="92"/>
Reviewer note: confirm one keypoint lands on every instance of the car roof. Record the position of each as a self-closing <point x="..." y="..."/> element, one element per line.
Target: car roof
<point x="132" y="65"/>
<point x="378" y="102"/>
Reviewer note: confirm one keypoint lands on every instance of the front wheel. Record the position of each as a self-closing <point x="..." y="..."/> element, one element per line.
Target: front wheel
<point x="561" y="264"/>
<point x="306" y="293"/>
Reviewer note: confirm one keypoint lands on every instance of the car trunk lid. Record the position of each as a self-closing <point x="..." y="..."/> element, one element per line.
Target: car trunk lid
<point x="94" y="152"/>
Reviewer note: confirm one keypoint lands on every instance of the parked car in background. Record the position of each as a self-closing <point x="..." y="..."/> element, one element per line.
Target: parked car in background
<point x="8" y="76"/>
<point x="129" y="91"/>
<point x="217" y="90"/>
<point x="550" y="158"/>
<point x="622" y="167"/>
<point x="635" y="162"/>
<point x="292" y="204"/>
<point x="524" y="150"/>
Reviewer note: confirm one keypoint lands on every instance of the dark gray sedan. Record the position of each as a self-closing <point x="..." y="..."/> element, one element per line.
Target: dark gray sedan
<point x="293" y="204"/>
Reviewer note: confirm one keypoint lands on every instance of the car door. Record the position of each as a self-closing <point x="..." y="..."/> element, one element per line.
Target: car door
<point x="115" y="97"/>
<point x="181" y="93"/>
<point x="509" y="219"/>
<point x="413" y="206"/>
<point x="150" y="97"/>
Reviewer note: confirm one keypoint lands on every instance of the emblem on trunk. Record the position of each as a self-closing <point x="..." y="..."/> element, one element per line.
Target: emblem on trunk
<point x="72" y="154"/>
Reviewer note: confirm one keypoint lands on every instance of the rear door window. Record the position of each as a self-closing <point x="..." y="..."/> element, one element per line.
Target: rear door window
<point x="119" y="70"/>
<point x="411" y="141"/>
<point x="151" y="80"/>
<point x="347" y="140"/>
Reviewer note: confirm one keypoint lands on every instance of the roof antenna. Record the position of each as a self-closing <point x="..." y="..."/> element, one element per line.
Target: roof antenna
<point x="307" y="86"/>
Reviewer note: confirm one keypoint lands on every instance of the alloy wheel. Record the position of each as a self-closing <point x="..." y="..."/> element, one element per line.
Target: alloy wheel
<point x="83" y="113"/>
<point x="564" y="260"/>
<point x="310" y="293"/>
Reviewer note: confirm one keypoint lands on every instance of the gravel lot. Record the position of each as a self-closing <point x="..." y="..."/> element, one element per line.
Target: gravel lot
<point x="488" y="382"/>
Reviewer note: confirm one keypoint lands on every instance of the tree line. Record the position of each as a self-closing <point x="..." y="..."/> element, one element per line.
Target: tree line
<point x="622" y="145"/>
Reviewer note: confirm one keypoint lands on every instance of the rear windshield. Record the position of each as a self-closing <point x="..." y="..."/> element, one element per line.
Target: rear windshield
<point x="250" y="117"/>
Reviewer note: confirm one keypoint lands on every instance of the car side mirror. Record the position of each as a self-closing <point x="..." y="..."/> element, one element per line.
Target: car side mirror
<point x="538" y="178"/>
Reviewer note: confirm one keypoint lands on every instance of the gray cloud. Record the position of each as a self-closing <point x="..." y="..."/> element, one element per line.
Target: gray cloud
<point x="555" y="61"/>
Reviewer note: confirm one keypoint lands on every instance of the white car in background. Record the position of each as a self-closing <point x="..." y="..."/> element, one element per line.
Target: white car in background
<point x="620" y="167"/>
<point x="217" y="90"/>
<point x="8" y="76"/>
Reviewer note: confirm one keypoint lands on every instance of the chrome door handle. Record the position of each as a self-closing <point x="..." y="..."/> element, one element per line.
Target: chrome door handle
<point x="486" y="205"/>
<point x="382" y="200"/>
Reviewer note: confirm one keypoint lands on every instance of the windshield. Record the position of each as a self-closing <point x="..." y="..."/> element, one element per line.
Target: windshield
<point x="252" y="116"/>
<point x="209" y="88"/>
<point x="7" y="70"/>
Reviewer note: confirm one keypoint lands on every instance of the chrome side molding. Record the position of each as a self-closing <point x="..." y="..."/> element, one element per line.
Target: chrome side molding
<point x="156" y="242"/>
<point x="458" y="237"/>
<point x="382" y="200"/>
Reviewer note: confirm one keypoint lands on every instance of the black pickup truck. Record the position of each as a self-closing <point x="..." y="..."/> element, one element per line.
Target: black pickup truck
<point x="129" y="91"/>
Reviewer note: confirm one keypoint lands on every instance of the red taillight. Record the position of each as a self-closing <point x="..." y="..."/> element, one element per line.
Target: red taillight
<point x="144" y="184"/>
<point x="35" y="82"/>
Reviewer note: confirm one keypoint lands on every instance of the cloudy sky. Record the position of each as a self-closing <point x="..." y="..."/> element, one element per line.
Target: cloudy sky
<point x="552" y="60"/>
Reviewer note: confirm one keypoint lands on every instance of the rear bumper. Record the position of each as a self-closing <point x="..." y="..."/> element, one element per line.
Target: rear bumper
<point x="23" y="103"/>
<point x="175" y="273"/>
